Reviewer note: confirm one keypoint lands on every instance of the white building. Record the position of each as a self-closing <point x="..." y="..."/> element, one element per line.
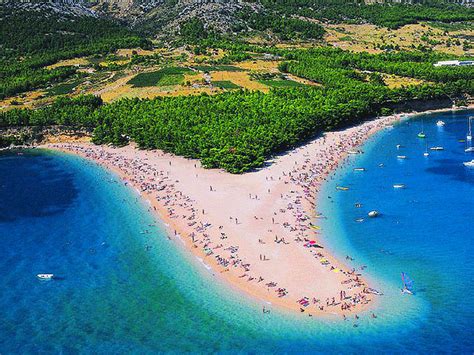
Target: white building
<point x="452" y="63"/>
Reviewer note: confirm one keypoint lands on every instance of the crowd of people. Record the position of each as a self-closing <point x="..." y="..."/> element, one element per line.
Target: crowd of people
<point x="301" y="185"/>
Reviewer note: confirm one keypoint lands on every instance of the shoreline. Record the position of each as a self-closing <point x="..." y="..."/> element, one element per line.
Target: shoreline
<point x="233" y="239"/>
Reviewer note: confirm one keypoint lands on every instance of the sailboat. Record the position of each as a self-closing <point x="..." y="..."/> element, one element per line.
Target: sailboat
<point x="422" y="133"/>
<point x="469" y="133"/>
<point x="407" y="284"/>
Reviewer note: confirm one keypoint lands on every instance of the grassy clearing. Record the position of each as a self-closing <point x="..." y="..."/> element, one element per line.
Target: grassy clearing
<point x="69" y="63"/>
<point x="259" y="65"/>
<point x="209" y="68"/>
<point x="139" y="51"/>
<point x="373" y="39"/>
<point x="225" y="84"/>
<point x="162" y="77"/>
<point x="395" y="81"/>
<point x="278" y="83"/>
<point x="241" y="79"/>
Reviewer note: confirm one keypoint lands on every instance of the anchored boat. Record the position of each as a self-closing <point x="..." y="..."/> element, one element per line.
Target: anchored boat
<point x="407" y="284"/>
<point x="469" y="132"/>
<point x="469" y="164"/>
<point x="373" y="214"/>
<point x="422" y="133"/>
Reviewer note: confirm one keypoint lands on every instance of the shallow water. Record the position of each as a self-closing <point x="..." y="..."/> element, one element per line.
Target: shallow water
<point x="124" y="287"/>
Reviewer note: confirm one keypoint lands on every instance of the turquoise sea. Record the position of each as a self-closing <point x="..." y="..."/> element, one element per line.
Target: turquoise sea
<point x="124" y="287"/>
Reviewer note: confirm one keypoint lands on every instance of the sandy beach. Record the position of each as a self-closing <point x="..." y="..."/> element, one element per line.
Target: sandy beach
<point x="258" y="231"/>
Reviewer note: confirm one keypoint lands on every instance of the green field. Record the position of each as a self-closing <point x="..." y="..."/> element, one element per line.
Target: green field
<point x="163" y="77"/>
<point x="209" y="68"/>
<point x="281" y="83"/>
<point x="63" y="89"/>
<point x="225" y="84"/>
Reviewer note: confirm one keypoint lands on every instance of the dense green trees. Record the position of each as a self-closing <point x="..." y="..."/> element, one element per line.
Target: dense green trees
<point x="284" y="27"/>
<point x="193" y="30"/>
<point x="33" y="32"/>
<point x="238" y="130"/>
<point x="389" y="15"/>
<point x="76" y="112"/>
<point x="336" y="68"/>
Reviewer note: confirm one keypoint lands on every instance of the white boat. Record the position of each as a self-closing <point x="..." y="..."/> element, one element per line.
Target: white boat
<point x="469" y="164"/>
<point x="399" y="146"/>
<point x="436" y="148"/>
<point x="440" y="123"/>
<point x="401" y="156"/>
<point x="373" y="291"/>
<point x="353" y="151"/>
<point x="470" y="148"/>
<point x="359" y="169"/>
<point x="469" y="133"/>
<point x="45" y="277"/>
<point x="398" y="186"/>
<point x="373" y="213"/>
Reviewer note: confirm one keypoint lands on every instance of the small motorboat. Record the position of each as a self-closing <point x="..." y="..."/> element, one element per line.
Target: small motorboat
<point x="45" y="277"/>
<point x="401" y="156"/>
<point x="359" y="169"/>
<point x="354" y="152"/>
<point x="440" y="123"/>
<point x="421" y="135"/>
<point x="399" y="146"/>
<point x="373" y="214"/>
<point x="469" y="164"/>
<point x="426" y="154"/>
<point x="373" y="291"/>
<point x="342" y="188"/>
<point x="436" y="148"/>
<point x="398" y="186"/>
<point x="469" y="150"/>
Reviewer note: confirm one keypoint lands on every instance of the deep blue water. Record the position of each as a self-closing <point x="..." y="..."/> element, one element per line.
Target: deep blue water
<point x="425" y="229"/>
<point x="124" y="287"/>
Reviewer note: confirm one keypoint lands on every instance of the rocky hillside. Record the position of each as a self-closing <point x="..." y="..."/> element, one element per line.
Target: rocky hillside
<point x="160" y="17"/>
<point x="279" y="18"/>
